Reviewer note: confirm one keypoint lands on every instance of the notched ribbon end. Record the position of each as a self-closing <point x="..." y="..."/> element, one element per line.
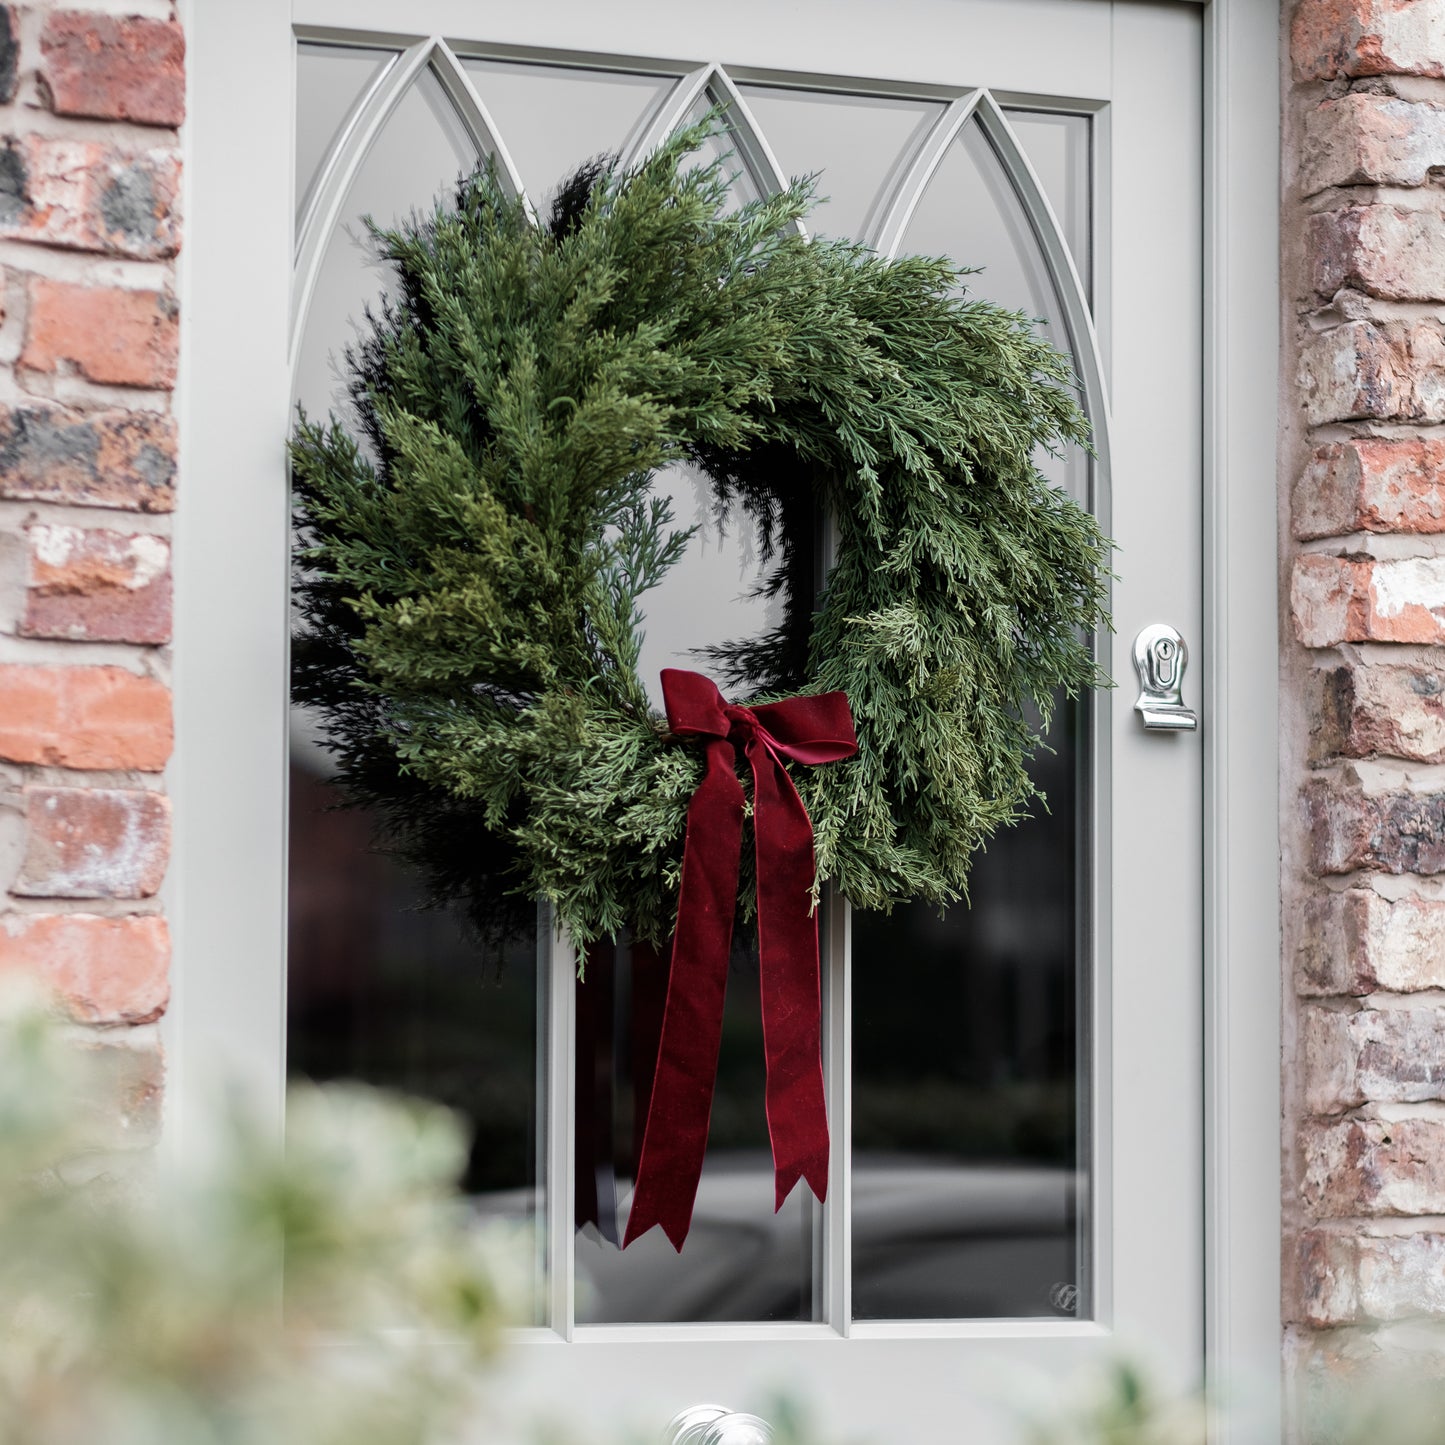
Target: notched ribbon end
<point x="675" y="1230"/>
<point x="813" y="1169"/>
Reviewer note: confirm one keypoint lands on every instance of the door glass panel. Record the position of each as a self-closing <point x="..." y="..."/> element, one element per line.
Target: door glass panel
<point x="971" y="213"/>
<point x="330" y="82"/>
<point x="554" y="117"/>
<point x="725" y="145"/>
<point x="418" y="156"/>
<point x="970" y="1164"/>
<point x="381" y="989"/>
<point x="741" y="1261"/>
<point x="860" y="143"/>
<point x="1057" y="146"/>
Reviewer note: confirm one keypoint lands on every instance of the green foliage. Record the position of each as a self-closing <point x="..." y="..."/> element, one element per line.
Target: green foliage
<point x="208" y="1305"/>
<point x="470" y="574"/>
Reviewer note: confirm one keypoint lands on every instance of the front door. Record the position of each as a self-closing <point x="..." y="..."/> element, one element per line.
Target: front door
<point x="1014" y="1087"/>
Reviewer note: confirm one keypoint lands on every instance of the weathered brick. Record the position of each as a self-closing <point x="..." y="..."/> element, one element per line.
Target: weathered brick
<point x="1348" y="599"/>
<point x="107" y="333"/>
<point x="1372" y="1056"/>
<point x="106" y="970"/>
<point x="1357" y="942"/>
<point x="1372" y="484"/>
<point x="1330" y="38"/>
<point x="84" y="717"/>
<point x="1388" y="832"/>
<point x="1353" y="1167"/>
<point x="1383" y="251"/>
<point x="124" y="459"/>
<point x="1372" y="370"/>
<point x="88" y="196"/>
<point x="114" y="67"/>
<point x="102" y="586"/>
<point x="94" y="843"/>
<point x="1360" y="710"/>
<point x="1362" y="139"/>
<point x="1349" y="1278"/>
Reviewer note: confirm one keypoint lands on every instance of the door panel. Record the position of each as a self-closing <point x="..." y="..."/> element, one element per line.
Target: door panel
<point x="1018" y="1182"/>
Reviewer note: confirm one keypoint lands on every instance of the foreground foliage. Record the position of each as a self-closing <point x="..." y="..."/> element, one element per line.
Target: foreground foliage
<point x="331" y="1293"/>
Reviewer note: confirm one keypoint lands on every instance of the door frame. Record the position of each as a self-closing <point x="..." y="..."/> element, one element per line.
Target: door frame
<point x="228" y="998"/>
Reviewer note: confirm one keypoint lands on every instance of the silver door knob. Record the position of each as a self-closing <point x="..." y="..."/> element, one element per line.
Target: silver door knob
<point x="1160" y="657"/>
<point x="716" y="1425"/>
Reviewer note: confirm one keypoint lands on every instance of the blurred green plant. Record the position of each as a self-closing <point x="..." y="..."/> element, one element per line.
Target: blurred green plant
<point x="331" y="1290"/>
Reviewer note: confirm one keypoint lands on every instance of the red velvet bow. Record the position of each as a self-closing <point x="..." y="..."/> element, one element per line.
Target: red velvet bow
<point x="810" y="730"/>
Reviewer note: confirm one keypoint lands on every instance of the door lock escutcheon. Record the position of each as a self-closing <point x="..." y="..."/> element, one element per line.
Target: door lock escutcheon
<point x="1160" y="657"/>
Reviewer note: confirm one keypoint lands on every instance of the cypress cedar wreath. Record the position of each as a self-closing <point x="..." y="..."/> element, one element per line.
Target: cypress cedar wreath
<point x="471" y="578"/>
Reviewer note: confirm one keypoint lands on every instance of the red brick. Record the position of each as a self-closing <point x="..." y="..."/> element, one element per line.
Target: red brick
<point x="100" y="586"/>
<point x="114" y="67"/>
<point x="1345" y="599"/>
<point x="1372" y="1056"/>
<point x="84" y="717"/>
<point x="106" y="970"/>
<point x="108" y="334"/>
<point x="88" y="196"/>
<point x="123" y="459"/>
<point x="94" y="843"/>
<point x="1385" y="832"/>
<point x="1372" y="1166"/>
<point x="1382" y="251"/>
<point x="1364" y="139"/>
<point x="1383" y="1277"/>
<point x="1372" y="484"/>
<point x="1360" y="710"/>
<point x="1331" y="38"/>
<point x="1368" y="370"/>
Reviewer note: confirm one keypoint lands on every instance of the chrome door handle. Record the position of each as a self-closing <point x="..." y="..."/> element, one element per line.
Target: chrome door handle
<point x="716" y="1425"/>
<point x="1160" y="657"/>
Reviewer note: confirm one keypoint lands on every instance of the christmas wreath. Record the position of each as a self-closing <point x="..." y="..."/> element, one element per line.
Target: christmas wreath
<point x="471" y="570"/>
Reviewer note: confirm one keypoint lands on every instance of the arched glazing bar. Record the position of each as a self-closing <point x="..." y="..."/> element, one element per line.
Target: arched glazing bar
<point x="1076" y="320"/>
<point x="339" y="170"/>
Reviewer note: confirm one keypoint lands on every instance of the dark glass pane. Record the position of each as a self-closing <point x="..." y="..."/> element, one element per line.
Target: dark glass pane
<point x="741" y="1261"/>
<point x="969" y="1170"/>
<point x="381" y="991"/>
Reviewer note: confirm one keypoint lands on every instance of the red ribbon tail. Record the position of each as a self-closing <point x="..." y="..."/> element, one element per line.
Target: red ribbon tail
<point x="680" y="1110"/>
<point x="791" y="983"/>
<point x="813" y="1169"/>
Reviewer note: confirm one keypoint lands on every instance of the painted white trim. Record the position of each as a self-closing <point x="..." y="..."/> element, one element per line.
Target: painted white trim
<point x="1241" y="672"/>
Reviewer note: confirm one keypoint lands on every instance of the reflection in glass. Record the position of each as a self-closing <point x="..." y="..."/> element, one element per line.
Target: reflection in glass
<point x="554" y="117"/>
<point x="971" y="213"/>
<point x="384" y="992"/>
<point x="330" y="82"/>
<point x="1057" y="146"/>
<point x="741" y="1261"/>
<point x="969" y="1169"/>
<point x="380" y="990"/>
<point x="860" y="143"/>
<point x="418" y="156"/>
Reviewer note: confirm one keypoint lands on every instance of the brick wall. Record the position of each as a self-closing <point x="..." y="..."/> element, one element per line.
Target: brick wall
<point x="1364" y="683"/>
<point x="90" y="102"/>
